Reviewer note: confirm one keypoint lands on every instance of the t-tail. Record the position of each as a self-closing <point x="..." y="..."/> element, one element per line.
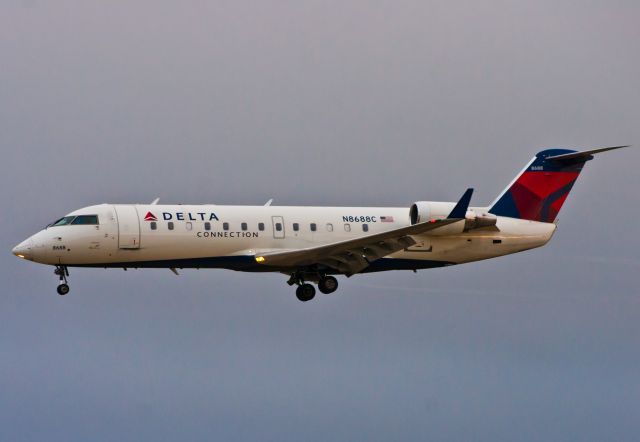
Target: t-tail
<point x="540" y="190"/>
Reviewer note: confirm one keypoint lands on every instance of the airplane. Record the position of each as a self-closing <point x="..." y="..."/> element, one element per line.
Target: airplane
<point x="313" y="244"/>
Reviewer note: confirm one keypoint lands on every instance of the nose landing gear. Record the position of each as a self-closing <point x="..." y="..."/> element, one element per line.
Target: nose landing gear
<point x="63" y="287"/>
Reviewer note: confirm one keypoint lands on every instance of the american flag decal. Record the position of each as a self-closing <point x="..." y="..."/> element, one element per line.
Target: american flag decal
<point x="386" y="219"/>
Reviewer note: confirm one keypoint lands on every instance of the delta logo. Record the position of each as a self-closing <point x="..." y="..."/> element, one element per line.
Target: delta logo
<point x="182" y="216"/>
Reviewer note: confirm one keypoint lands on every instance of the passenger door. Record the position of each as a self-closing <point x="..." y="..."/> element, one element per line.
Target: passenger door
<point x="128" y="227"/>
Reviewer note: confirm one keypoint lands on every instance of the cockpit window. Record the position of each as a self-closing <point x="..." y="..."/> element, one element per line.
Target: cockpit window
<point x="86" y="219"/>
<point x="75" y="220"/>
<point x="63" y="221"/>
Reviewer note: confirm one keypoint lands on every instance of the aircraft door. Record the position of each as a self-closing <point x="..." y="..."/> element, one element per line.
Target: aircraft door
<point x="278" y="227"/>
<point x="128" y="227"/>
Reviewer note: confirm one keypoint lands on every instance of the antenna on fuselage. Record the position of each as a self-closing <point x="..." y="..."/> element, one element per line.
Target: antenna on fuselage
<point x="268" y="203"/>
<point x="155" y="201"/>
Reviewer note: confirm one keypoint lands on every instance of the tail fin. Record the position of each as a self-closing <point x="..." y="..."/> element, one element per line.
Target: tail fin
<point x="537" y="194"/>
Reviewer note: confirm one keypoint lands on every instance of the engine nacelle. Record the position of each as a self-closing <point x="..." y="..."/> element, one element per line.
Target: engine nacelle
<point x="423" y="211"/>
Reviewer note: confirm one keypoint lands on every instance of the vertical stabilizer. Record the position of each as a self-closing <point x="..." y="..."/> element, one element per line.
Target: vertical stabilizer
<point x="539" y="191"/>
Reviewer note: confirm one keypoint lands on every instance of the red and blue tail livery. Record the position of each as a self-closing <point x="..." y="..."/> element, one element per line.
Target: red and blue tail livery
<point x="541" y="189"/>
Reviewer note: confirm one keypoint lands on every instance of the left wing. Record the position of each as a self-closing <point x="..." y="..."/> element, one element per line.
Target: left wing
<point x="354" y="255"/>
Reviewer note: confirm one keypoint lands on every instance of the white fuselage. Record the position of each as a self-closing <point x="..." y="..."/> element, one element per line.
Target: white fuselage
<point x="212" y="236"/>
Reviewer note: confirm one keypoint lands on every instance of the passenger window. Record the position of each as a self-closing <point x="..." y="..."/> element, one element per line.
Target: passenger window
<point x="86" y="219"/>
<point x="296" y="227"/>
<point x="243" y="226"/>
<point x="347" y="227"/>
<point x="170" y="225"/>
<point x="329" y="227"/>
<point x="225" y="226"/>
<point x="313" y="227"/>
<point x="365" y="227"/>
<point x="278" y="227"/>
<point x="153" y="225"/>
<point x="207" y="226"/>
<point x="189" y="225"/>
<point x="261" y="226"/>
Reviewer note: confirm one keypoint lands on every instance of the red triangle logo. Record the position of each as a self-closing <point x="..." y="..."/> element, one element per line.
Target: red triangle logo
<point x="150" y="217"/>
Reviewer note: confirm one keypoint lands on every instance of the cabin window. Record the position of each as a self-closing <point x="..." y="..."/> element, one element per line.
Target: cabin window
<point x="207" y="226"/>
<point x="365" y="227"/>
<point x="296" y="227"/>
<point x="170" y="225"/>
<point x="313" y="227"/>
<point x="329" y="227"/>
<point x="243" y="226"/>
<point x="347" y="227"/>
<point x="153" y="225"/>
<point x="189" y="225"/>
<point x="261" y="226"/>
<point x="86" y="219"/>
<point x="497" y="241"/>
<point x="225" y="226"/>
<point x="278" y="227"/>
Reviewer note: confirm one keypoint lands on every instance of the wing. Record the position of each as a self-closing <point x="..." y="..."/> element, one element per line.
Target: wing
<point x="354" y="255"/>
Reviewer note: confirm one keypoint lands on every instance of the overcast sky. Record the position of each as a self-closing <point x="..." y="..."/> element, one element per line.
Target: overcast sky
<point x="320" y="103"/>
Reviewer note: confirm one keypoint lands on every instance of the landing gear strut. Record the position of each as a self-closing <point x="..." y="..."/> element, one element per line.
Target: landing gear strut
<point x="62" y="272"/>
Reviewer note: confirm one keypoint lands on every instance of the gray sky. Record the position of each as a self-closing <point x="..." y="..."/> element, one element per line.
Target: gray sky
<point x="336" y="103"/>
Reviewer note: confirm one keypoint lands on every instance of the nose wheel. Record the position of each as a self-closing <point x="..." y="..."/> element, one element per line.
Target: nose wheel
<point x="63" y="287"/>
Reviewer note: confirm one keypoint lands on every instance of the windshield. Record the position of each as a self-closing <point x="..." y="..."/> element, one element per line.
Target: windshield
<point x="75" y="220"/>
<point x="62" y="221"/>
<point x="85" y="219"/>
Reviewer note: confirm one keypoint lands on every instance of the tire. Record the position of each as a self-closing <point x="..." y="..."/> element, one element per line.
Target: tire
<point x="305" y="292"/>
<point x="328" y="284"/>
<point x="63" y="289"/>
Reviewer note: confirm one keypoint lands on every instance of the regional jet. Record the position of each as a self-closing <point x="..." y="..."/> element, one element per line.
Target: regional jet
<point x="313" y="244"/>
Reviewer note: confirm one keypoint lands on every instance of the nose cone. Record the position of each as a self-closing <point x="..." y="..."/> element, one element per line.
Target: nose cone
<point x="24" y="249"/>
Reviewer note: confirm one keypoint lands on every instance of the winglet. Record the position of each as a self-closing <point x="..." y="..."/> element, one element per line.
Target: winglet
<point x="460" y="210"/>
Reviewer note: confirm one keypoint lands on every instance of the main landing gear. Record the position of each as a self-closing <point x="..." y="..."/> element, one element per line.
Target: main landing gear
<point x="305" y="291"/>
<point x="63" y="287"/>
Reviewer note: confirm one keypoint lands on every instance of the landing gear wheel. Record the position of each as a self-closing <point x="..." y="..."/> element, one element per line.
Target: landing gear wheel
<point x="305" y="292"/>
<point x="63" y="289"/>
<point x="328" y="284"/>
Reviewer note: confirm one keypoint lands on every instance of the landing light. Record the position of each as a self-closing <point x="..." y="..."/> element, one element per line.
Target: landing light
<point x="259" y="258"/>
<point x="20" y="256"/>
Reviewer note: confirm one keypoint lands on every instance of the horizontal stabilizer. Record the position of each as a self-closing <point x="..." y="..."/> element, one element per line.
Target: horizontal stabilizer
<point x="585" y="155"/>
